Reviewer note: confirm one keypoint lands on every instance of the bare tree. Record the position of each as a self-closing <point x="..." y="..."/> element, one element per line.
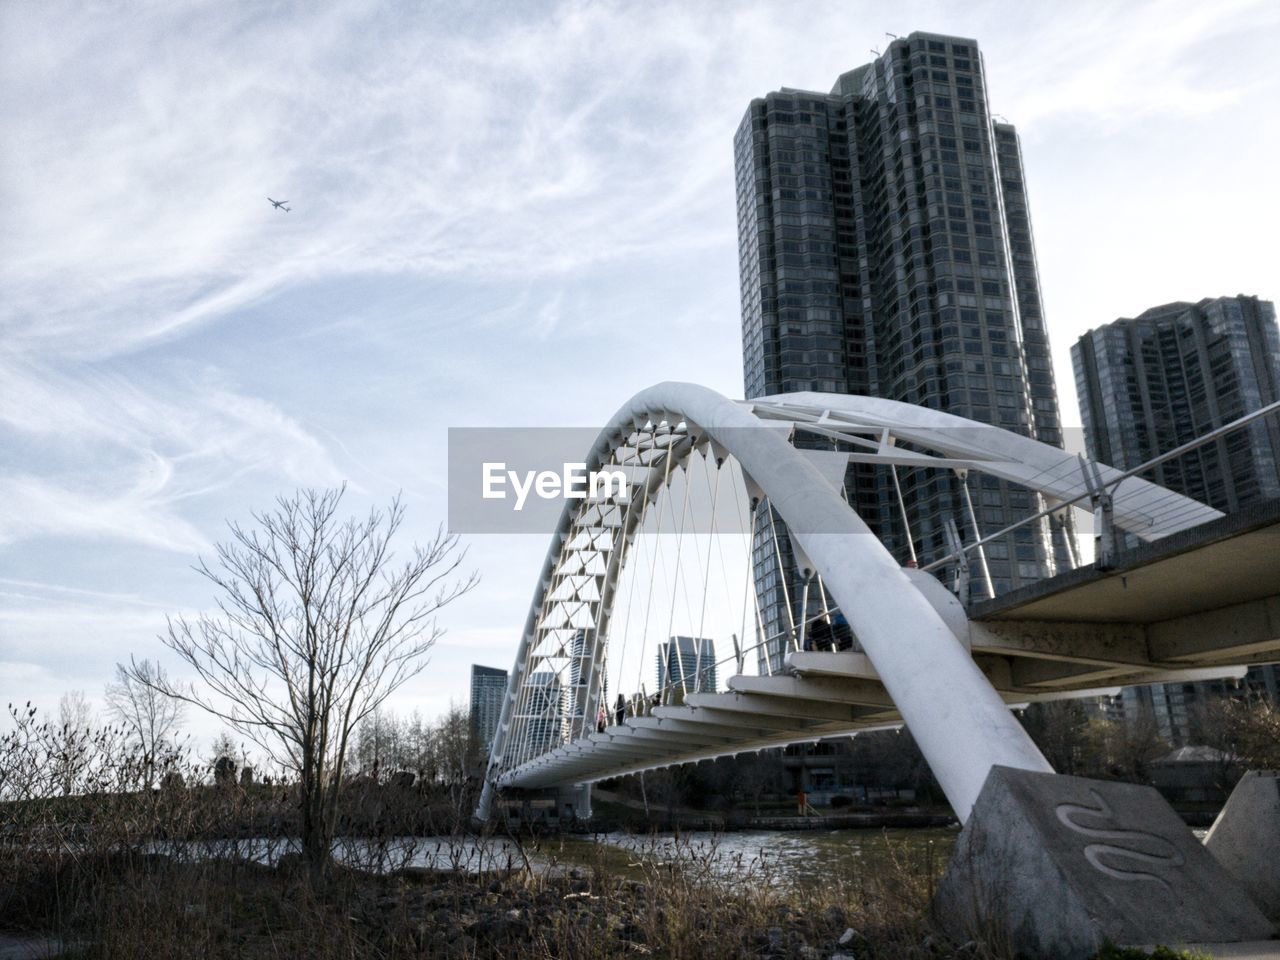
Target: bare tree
<point x="150" y="718"/>
<point x="1245" y="732"/>
<point x="74" y="710"/>
<point x="223" y="745"/>
<point x="73" y="736"/>
<point x="1123" y="750"/>
<point x="455" y="751"/>
<point x="318" y="624"/>
<point x="379" y="750"/>
<point x="1060" y="730"/>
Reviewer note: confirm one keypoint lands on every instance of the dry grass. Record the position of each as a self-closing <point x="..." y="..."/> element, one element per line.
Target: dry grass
<point x="90" y="854"/>
<point x="155" y="907"/>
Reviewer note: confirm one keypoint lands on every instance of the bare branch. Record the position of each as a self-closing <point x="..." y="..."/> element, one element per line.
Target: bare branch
<point x="316" y="625"/>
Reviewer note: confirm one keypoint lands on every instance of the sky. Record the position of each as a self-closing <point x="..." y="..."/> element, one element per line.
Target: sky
<point x="501" y="215"/>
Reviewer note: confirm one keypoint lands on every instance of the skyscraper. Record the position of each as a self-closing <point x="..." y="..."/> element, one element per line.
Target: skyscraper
<point x="1174" y="373"/>
<point x="582" y="668"/>
<point x="545" y="711"/>
<point x="885" y="249"/>
<point x="488" y="688"/>
<point x="688" y="662"/>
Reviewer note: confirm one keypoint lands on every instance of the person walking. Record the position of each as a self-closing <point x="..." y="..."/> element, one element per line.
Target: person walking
<point x="600" y="719"/>
<point x="620" y="710"/>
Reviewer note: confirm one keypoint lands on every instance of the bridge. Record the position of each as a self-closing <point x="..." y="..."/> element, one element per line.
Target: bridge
<point x="1196" y="597"/>
<point x="1176" y="592"/>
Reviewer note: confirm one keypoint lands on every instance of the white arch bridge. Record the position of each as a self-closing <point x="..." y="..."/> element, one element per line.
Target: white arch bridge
<point x="1187" y="595"/>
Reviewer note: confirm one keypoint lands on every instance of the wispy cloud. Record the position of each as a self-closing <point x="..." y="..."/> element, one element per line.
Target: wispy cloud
<point x="499" y="210"/>
<point x="109" y="455"/>
<point x="33" y="506"/>
<point x="136" y="196"/>
<point x="1114" y="64"/>
<point x="528" y="148"/>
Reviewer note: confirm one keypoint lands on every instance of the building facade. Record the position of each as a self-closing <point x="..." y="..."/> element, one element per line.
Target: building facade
<point x="1173" y="374"/>
<point x="885" y="249"/>
<point x="488" y="689"/>
<point x="1152" y="383"/>
<point x="689" y="663"/>
<point x="545" y="711"/>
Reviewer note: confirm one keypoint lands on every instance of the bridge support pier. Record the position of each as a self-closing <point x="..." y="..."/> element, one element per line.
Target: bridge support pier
<point x="574" y="803"/>
<point x="1245" y="838"/>
<point x="1051" y="865"/>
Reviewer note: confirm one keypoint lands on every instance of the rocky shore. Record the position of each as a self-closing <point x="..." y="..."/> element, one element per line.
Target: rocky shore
<point x="574" y="914"/>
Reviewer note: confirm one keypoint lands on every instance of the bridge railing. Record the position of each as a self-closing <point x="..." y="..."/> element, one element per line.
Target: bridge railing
<point x="1101" y="495"/>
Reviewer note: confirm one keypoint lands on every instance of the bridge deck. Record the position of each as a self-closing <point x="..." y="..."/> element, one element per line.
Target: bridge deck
<point x="1195" y="605"/>
<point x="1224" y="562"/>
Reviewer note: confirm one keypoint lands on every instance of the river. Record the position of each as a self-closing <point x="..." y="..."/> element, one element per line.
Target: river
<point x="775" y="857"/>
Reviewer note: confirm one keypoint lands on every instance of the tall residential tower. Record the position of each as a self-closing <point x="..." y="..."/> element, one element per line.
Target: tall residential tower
<point x="488" y="690"/>
<point x="1173" y="374"/>
<point x="885" y="249"/>
<point x="687" y="662"/>
<point x="1170" y="375"/>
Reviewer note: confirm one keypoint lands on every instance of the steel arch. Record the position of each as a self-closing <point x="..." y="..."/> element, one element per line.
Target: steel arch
<point x="961" y="724"/>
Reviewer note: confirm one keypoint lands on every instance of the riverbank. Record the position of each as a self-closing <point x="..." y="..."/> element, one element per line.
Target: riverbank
<point x="613" y="813"/>
<point x="686" y="897"/>
<point x="610" y="815"/>
<point x="154" y="907"/>
<point x="895" y="820"/>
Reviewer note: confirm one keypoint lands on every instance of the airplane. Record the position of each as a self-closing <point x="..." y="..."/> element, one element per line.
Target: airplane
<point x="279" y="204"/>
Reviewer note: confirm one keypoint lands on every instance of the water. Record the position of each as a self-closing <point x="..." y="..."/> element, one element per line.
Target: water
<point x="791" y="858"/>
<point x="779" y="857"/>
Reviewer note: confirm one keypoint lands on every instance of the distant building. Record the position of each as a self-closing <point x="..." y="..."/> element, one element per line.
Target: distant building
<point x="1173" y="374"/>
<point x="885" y="249"/>
<point x="584" y="673"/>
<point x="543" y="704"/>
<point x="488" y="689"/>
<point x="689" y="662"/>
<point x="1152" y="383"/>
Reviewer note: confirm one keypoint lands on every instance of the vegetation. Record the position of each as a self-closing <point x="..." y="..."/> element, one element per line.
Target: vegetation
<point x="204" y="868"/>
<point x="1245" y="732"/>
<point x="150" y="718"/>
<point x="765" y="782"/>
<point x="1080" y="745"/>
<point x="1157" y="953"/>
<point x="207" y="866"/>
<point x="318" y="624"/>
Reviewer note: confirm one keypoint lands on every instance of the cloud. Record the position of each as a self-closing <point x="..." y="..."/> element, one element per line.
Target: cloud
<point x="22" y="674"/>
<point x="415" y="141"/>
<point x="14" y="588"/>
<point x="110" y="455"/>
<point x="518" y="211"/>
<point x="71" y="636"/>
<point x="1116" y="64"/>
<point x="32" y="506"/>
<point x="137" y="198"/>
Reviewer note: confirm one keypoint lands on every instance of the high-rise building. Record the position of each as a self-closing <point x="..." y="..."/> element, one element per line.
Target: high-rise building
<point x="545" y="709"/>
<point x="1149" y="384"/>
<point x="885" y="249"/>
<point x="582" y="668"/>
<point x="488" y="689"/>
<point x="687" y="662"/>
<point x="1173" y="374"/>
